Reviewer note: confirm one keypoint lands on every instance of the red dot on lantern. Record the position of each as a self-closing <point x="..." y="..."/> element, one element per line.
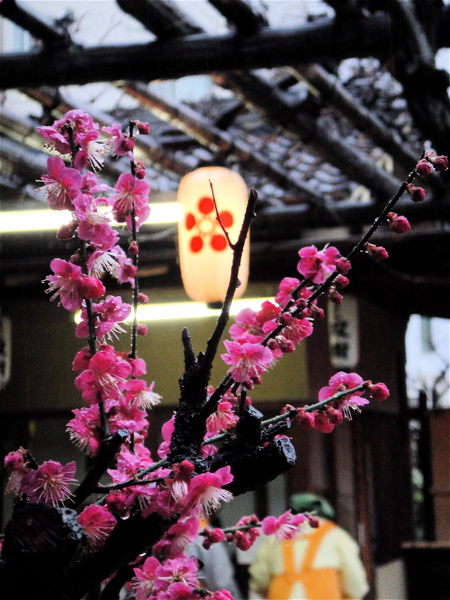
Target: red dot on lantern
<point x="227" y="218"/>
<point x="219" y="242"/>
<point x="205" y="205"/>
<point x="189" y="221"/>
<point x="196" y="243"/>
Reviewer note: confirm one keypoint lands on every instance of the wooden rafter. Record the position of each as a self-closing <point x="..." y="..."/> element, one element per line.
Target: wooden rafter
<point x="200" y="54"/>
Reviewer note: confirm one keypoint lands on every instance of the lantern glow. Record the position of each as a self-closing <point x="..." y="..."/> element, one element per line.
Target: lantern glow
<point x="205" y="256"/>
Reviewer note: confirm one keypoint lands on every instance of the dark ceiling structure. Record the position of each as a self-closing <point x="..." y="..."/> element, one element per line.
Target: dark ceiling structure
<point x="324" y="119"/>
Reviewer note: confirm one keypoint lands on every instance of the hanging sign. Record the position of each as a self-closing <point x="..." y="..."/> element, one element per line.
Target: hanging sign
<point x="343" y="333"/>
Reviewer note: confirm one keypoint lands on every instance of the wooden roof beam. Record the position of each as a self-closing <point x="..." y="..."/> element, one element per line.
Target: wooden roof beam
<point x="241" y="14"/>
<point x="197" y="126"/>
<point x="38" y="26"/>
<point x="256" y="92"/>
<point x="202" y="54"/>
<point x="164" y="20"/>
<point x="332" y="92"/>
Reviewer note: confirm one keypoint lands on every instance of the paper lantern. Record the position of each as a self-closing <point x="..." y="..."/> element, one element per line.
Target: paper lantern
<point x="205" y="256"/>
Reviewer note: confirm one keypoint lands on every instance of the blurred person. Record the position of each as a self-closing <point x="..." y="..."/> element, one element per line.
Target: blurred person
<point x="216" y="569"/>
<point x="322" y="564"/>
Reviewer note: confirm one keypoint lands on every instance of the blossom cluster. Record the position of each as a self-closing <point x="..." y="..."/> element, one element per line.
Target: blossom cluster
<point x="118" y="397"/>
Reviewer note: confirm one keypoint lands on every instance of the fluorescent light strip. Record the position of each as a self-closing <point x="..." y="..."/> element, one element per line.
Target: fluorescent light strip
<point x="15" y="221"/>
<point x="187" y="310"/>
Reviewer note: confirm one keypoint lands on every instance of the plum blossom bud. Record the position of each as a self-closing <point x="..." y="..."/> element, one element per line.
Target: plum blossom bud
<point x="301" y="303"/>
<point x="286" y="346"/>
<point x="142" y="329"/>
<point x="139" y="169"/>
<point x="341" y="282"/>
<point x="378" y="391"/>
<point x="273" y="345"/>
<point x="343" y="266"/>
<point x="335" y="416"/>
<point x="143" y="298"/>
<point x="143" y="128"/>
<point x="316" y="312"/>
<point x="334" y="295"/>
<point x="378" y="253"/>
<point x="417" y="193"/>
<point x="440" y="163"/>
<point x="133" y="248"/>
<point x="67" y="231"/>
<point x="305" y="419"/>
<point x="285" y="319"/>
<point x="398" y="223"/>
<point x="423" y="168"/>
<point x="15" y="461"/>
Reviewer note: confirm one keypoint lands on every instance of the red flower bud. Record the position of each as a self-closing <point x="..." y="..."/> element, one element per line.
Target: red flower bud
<point x="334" y="295"/>
<point x="378" y="253"/>
<point x="417" y="193"/>
<point x="285" y="319"/>
<point x="143" y="299"/>
<point x="341" y="282"/>
<point x="440" y="163"/>
<point x="378" y="391"/>
<point x="423" y="168"/>
<point x="343" y="266"/>
<point x="398" y="223"/>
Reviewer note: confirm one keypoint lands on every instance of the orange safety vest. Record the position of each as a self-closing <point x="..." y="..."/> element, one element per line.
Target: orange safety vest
<point x="319" y="584"/>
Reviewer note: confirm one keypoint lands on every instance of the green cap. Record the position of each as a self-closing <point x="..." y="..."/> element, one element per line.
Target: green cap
<point x="307" y="502"/>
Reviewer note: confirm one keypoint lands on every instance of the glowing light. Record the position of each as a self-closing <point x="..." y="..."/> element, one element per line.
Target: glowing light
<point x="186" y="310"/>
<point x="16" y="221"/>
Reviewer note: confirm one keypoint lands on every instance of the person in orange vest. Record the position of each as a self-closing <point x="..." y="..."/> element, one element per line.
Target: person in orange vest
<point x="322" y="564"/>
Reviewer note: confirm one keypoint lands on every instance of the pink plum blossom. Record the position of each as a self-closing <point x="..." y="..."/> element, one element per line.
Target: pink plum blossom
<point x="61" y="184"/>
<point x="317" y="265"/>
<point x="142" y="395"/>
<point x="166" y="432"/>
<point x="57" y="134"/>
<point x="340" y="382"/>
<point x="93" y="151"/>
<point x="131" y="193"/>
<point x="206" y="491"/>
<point x="284" y="527"/>
<point x="177" y="570"/>
<point x="97" y="523"/>
<point x="105" y="378"/>
<point x="107" y="315"/>
<point x="221" y="595"/>
<point x="286" y="287"/>
<point x="177" y="538"/>
<point x="121" y="144"/>
<point x="70" y="285"/>
<point x="49" y="483"/>
<point x="143" y="582"/>
<point x="247" y="360"/>
<point x="222" y="419"/>
<point x="249" y="323"/>
<point x="85" y="430"/>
